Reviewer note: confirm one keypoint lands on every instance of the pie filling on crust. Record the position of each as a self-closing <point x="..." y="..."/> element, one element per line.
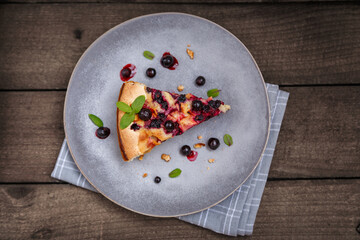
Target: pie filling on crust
<point x="178" y="112"/>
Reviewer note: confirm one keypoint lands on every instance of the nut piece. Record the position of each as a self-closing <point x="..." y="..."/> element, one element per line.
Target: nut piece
<point x="165" y="157"/>
<point x="199" y="137"/>
<point x="190" y="53"/>
<point x="141" y="157"/>
<point x="180" y="88"/>
<point x="145" y="175"/>
<point x="211" y="160"/>
<point x="199" y="145"/>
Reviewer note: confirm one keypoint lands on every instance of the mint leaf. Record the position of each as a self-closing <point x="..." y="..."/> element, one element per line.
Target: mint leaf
<point x="149" y="55"/>
<point x="138" y="103"/>
<point x="213" y="92"/>
<point x="127" y="119"/>
<point x="174" y="173"/>
<point x="96" y="120"/>
<point x="123" y="107"/>
<point x="228" y="140"/>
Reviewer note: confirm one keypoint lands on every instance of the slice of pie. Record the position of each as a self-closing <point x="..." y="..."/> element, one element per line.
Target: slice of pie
<point x="163" y="116"/>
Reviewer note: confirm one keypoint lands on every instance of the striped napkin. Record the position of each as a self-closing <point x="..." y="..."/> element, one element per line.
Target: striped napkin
<point x="236" y="214"/>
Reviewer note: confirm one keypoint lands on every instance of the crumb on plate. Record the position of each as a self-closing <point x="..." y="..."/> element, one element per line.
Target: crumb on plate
<point x="180" y="88"/>
<point x="199" y="137"/>
<point x="190" y="53"/>
<point x="199" y="145"/>
<point x="165" y="157"/>
<point x="208" y="168"/>
<point x="211" y="160"/>
<point x="141" y="157"/>
<point x="145" y="175"/>
<point x="189" y="45"/>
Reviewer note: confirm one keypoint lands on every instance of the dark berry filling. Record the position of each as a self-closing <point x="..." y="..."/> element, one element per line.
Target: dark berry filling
<point x="206" y="108"/>
<point x="157" y="96"/>
<point x="164" y="105"/>
<point x="211" y="103"/>
<point x="155" y="123"/>
<point x="182" y="98"/>
<point x="135" y="127"/>
<point x="145" y="114"/>
<point x="201" y="110"/>
<point x="161" y="115"/>
<point x="199" y="118"/>
<point x="215" y="104"/>
<point x="178" y="130"/>
<point x="197" y="105"/>
<point x="174" y="95"/>
<point x="169" y="125"/>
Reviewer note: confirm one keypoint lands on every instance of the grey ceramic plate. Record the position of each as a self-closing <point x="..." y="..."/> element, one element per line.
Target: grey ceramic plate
<point x="225" y="63"/>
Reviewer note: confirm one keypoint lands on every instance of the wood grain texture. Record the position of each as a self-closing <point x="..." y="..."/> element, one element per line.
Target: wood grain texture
<point x="172" y="2"/>
<point x="289" y="210"/>
<point x="292" y="43"/>
<point x="320" y="134"/>
<point x="31" y="128"/>
<point x="319" y="138"/>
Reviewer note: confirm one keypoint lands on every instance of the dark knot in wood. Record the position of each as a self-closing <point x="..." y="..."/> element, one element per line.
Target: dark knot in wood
<point x="78" y="33"/>
<point x="43" y="233"/>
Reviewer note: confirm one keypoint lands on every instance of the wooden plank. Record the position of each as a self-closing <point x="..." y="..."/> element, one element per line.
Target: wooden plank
<point x="169" y="1"/>
<point x="320" y="136"/>
<point x="292" y="43"/>
<point x="32" y="134"/>
<point x="326" y="209"/>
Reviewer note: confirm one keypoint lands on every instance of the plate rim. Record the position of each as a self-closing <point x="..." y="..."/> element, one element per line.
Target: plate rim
<point x="156" y="14"/>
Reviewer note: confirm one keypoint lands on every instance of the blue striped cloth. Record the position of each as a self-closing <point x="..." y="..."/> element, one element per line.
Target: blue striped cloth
<point x="236" y="214"/>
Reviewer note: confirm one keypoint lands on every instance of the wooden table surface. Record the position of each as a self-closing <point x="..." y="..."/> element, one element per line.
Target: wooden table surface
<point x="311" y="49"/>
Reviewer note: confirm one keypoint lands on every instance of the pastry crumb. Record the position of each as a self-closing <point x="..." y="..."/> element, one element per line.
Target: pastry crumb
<point x="190" y="53"/>
<point x="141" y="157"/>
<point x="180" y="88"/>
<point x="224" y="108"/>
<point x="145" y="175"/>
<point x="199" y="145"/>
<point x="165" y="157"/>
<point x="208" y="168"/>
<point x="199" y="137"/>
<point x="189" y="45"/>
<point x="211" y="160"/>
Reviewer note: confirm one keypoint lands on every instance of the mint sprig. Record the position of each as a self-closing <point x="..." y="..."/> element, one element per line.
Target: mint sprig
<point x="138" y="104"/>
<point x="130" y="111"/>
<point x="213" y="92"/>
<point x="228" y="140"/>
<point x="149" y="55"/>
<point x="175" y="173"/>
<point x="127" y="119"/>
<point x="96" y="120"/>
<point x="124" y="107"/>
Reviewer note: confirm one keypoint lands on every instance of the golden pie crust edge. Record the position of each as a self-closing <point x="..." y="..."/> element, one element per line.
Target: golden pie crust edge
<point x="129" y="139"/>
